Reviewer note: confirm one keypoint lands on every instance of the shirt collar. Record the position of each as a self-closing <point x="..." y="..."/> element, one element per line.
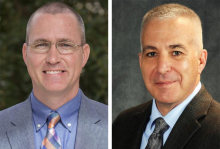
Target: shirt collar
<point x="175" y="113"/>
<point x="68" y="112"/>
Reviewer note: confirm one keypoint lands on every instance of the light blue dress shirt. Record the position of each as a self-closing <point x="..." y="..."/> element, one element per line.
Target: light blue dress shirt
<point x="65" y="128"/>
<point x="170" y="118"/>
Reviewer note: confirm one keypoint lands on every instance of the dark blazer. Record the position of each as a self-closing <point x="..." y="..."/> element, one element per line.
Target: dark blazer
<point x="198" y="127"/>
<point x="16" y="126"/>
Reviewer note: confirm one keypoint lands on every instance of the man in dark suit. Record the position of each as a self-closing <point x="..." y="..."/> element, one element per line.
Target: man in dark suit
<point x="56" y="114"/>
<point x="182" y="114"/>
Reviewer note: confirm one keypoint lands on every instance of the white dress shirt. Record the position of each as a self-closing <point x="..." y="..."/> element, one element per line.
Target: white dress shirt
<point x="171" y="118"/>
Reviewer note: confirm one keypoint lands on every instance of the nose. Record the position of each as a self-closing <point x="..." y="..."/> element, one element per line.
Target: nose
<point x="163" y="64"/>
<point x="53" y="55"/>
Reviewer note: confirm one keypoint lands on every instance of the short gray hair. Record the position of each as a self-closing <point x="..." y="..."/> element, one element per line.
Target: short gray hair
<point x="165" y="11"/>
<point x="57" y="8"/>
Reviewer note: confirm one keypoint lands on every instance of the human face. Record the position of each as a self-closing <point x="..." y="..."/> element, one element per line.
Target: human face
<point x="171" y="61"/>
<point x="53" y="72"/>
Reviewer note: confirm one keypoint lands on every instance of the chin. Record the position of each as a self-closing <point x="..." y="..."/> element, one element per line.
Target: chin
<point x="55" y="88"/>
<point x="173" y="101"/>
<point x="165" y="98"/>
<point x="164" y="101"/>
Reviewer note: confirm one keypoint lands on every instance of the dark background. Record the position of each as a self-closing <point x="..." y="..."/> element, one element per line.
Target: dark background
<point x="128" y="87"/>
<point x="15" y="83"/>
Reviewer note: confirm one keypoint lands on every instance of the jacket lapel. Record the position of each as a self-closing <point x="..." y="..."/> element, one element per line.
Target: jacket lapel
<point x="88" y="123"/>
<point x="189" y="122"/>
<point x="20" y="131"/>
<point x="137" y="126"/>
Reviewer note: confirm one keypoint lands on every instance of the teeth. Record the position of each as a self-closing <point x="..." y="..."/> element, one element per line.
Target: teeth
<point x="53" y="72"/>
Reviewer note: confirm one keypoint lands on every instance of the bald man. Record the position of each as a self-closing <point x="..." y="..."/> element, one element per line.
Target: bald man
<point x="56" y="114"/>
<point x="182" y="114"/>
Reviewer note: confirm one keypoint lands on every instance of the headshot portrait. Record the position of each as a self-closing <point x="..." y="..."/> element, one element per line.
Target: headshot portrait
<point x="165" y="75"/>
<point x="62" y="100"/>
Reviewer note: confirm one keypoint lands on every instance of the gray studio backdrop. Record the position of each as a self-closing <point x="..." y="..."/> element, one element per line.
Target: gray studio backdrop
<point x="128" y="88"/>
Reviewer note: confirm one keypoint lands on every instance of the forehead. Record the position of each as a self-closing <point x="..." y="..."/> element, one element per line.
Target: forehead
<point x="169" y="31"/>
<point x="51" y="26"/>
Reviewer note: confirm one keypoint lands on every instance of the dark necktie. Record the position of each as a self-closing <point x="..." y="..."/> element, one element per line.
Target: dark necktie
<point x="51" y="140"/>
<point x="155" y="140"/>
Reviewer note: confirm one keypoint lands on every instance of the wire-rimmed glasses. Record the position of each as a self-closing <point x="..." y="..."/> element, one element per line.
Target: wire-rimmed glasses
<point x="64" y="47"/>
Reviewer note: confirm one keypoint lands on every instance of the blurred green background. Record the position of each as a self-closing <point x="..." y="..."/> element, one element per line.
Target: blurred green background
<point x="15" y="83"/>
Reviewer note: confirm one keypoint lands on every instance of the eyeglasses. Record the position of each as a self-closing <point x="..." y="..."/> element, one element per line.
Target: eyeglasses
<point x="63" y="47"/>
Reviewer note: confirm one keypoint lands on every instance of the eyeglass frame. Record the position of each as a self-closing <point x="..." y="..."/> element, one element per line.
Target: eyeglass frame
<point x="56" y="44"/>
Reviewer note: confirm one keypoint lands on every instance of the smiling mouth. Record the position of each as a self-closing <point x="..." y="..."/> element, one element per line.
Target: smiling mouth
<point x="53" y="72"/>
<point x="165" y="83"/>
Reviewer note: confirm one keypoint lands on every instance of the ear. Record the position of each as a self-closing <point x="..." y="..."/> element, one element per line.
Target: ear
<point x="202" y="60"/>
<point x="140" y="58"/>
<point x="24" y="53"/>
<point x="86" y="52"/>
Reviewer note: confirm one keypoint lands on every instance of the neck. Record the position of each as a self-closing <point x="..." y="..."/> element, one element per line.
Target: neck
<point x="54" y="100"/>
<point x="165" y="108"/>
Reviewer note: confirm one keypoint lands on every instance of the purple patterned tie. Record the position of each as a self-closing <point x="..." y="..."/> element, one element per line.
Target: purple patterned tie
<point x="52" y="141"/>
<point x="155" y="140"/>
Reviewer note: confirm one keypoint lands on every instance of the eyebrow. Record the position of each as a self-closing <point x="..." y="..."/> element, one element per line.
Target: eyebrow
<point x="148" y="47"/>
<point x="45" y="40"/>
<point x="64" y="39"/>
<point x="177" y="46"/>
<point x="40" y="40"/>
<point x="173" y="46"/>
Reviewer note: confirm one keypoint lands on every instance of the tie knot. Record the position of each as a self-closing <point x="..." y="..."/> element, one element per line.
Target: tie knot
<point x="160" y="126"/>
<point x="53" y="118"/>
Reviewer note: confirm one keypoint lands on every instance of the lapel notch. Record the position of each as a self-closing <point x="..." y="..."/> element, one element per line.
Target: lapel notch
<point x="20" y="131"/>
<point x="190" y="121"/>
<point x="90" y="128"/>
<point x="137" y="125"/>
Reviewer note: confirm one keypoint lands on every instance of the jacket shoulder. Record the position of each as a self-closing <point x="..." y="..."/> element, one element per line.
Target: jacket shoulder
<point x="13" y="113"/>
<point x="101" y="108"/>
<point x="90" y="109"/>
<point x="127" y="114"/>
<point x="214" y="114"/>
<point x="12" y="110"/>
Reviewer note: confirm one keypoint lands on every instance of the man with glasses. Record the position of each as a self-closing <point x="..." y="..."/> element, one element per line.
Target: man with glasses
<point x="57" y="114"/>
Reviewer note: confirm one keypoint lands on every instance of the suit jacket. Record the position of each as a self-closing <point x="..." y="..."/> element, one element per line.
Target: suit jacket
<point x="16" y="126"/>
<point x="198" y="127"/>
